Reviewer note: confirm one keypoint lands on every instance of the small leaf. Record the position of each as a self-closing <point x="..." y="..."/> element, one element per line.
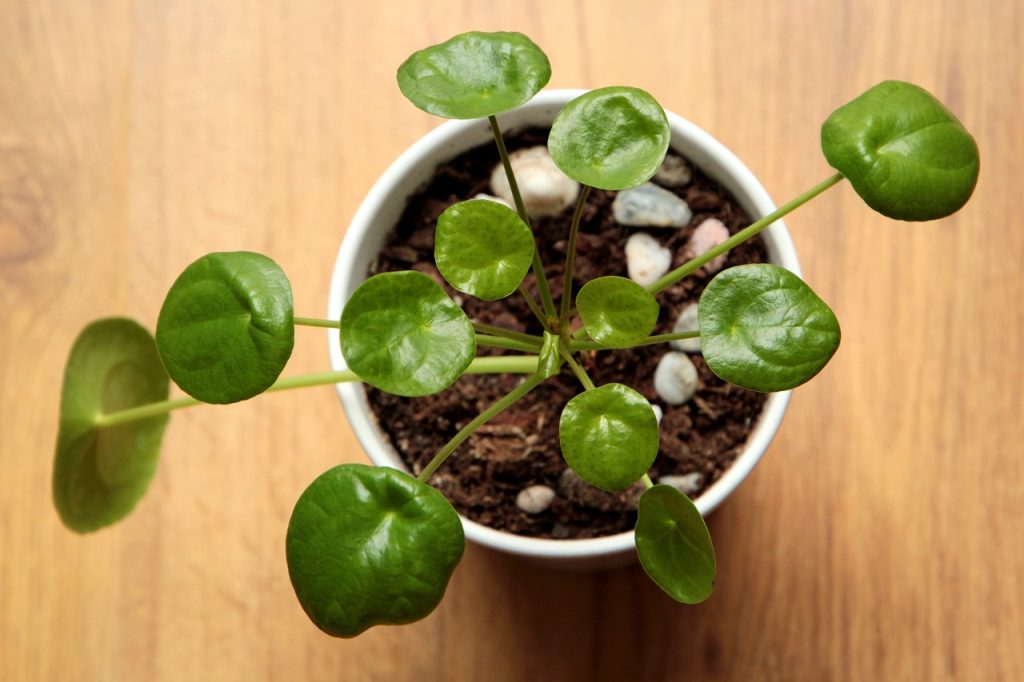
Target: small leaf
<point x="402" y="333"/>
<point x="100" y="474"/>
<point x="483" y="248"/>
<point x="550" y="360"/>
<point x="371" y="546"/>
<point x="474" y="74"/>
<point x="762" y="328"/>
<point x="618" y="312"/>
<point x="674" y="545"/>
<point x="905" y="153"/>
<point x="609" y="436"/>
<point x="225" y="330"/>
<point x="612" y="138"/>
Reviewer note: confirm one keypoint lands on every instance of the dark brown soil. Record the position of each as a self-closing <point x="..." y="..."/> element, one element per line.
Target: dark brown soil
<point x="519" y="448"/>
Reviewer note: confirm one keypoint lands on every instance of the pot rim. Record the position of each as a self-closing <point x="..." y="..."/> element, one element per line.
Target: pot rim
<point x="437" y="146"/>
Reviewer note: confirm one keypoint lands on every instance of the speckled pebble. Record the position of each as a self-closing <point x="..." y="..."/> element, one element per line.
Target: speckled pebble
<point x="674" y="172"/>
<point x="676" y="378"/>
<point x="535" y="499"/>
<point x="687" y="484"/>
<point x="646" y="259"/>
<point x="708" y="235"/>
<point x="545" y="189"/>
<point x="650" y="206"/>
<point x="688" y="321"/>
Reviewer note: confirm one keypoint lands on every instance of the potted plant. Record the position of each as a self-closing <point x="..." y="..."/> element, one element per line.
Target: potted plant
<point x="374" y="545"/>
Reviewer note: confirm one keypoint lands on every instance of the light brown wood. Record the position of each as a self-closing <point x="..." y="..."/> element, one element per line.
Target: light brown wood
<point x="881" y="538"/>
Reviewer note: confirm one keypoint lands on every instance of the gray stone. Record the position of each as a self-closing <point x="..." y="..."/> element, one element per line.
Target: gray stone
<point x="545" y="189"/>
<point x="675" y="378"/>
<point x="535" y="499"/>
<point x="650" y="206"/>
<point x="687" y="484"/>
<point x="688" y="321"/>
<point x="674" y="172"/>
<point x="646" y="259"/>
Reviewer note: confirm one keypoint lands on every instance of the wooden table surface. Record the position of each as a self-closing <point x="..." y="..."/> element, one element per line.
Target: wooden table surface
<point x="881" y="538"/>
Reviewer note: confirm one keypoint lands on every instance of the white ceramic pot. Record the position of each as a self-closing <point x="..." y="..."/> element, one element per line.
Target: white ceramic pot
<point x="382" y="208"/>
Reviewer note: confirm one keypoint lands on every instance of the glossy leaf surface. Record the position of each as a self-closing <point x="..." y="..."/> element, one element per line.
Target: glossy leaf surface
<point x="762" y="328"/>
<point x="100" y="474"/>
<point x="904" y="152"/>
<point x="371" y="546"/>
<point x="609" y="436"/>
<point x="474" y="74"/>
<point x="618" y="312"/>
<point x="611" y="138"/>
<point x="674" y="545"/>
<point x="226" y="329"/>
<point x="483" y="248"/>
<point x="402" y="333"/>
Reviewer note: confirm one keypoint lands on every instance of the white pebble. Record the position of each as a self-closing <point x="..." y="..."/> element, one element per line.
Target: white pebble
<point x="675" y="379"/>
<point x="650" y="206"/>
<point x="674" y="172"/>
<point x="646" y="259"/>
<point x="686" y="484"/>
<point x="497" y="200"/>
<point x="535" y="499"/>
<point x="546" y="190"/>
<point x="658" y="413"/>
<point x="688" y="321"/>
<point x="708" y="235"/>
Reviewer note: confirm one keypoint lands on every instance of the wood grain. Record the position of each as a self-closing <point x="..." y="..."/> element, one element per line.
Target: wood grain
<point x="881" y="538"/>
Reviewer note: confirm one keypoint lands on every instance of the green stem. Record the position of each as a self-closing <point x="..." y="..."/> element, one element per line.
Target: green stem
<point x="532" y="305"/>
<point x="578" y="370"/>
<point x="317" y="322"/>
<point x="570" y="257"/>
<point x="538" y="267"/>
<point x="504" y="364"/>
<point x="742" y="236"/>
<point x="648" y="483"/>
<point x="649" y="341"/>
<point x="502" y="342"/>
<point x="493" y="330"/>
<point x="465" y="432"/>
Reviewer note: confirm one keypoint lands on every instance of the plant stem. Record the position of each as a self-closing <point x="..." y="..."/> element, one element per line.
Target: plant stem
<point x="502" y="342"/>
<point x="504" y="364"/>
<point x="649" y="341"/>
<point x="538" y="267"/>
<point x="317" y="322"/>
<point x="493" y="330"/>
<point x="742" y="236"/>
<point x="648" y="483"/>
<point x="578" y="370"/>
<point x="466" y="431"/>
<point x="532" y="305"/>
<point x="570" y="257"/>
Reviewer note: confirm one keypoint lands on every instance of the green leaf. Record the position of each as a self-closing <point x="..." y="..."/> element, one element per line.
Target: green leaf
<point x="474" y="75"/>
<point x="100" y="474"/>
<point x="762" y="328"/>
<point x="905" y="153"/>
<point x="618" y="312"/>
<point x="674" y="545"/>
<point x="483" y="248"/>
<point x="402" y="333"/>
<point x="612" y="138"/>
<point x="225" y="331"/>
<point x="609" y="436"/>
<point x="371" y="546"/>
<point x="550" y="360"/>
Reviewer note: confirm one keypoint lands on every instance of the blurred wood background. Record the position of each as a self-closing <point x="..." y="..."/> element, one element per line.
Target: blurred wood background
<point x="881" y="538"/>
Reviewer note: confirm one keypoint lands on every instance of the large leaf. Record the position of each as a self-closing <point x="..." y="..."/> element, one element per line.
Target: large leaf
<point x="609" y="436"/>
<point x="474" y="75"/>
<point x="100" y="474"/>
<point x="904" y="152"/>
<point x="674" y="545"/>
<point x="483" y="248"/>
<point x="226" y="330"/>
<point x="762" y="328"/>
<point x="371" y="546"/>
<point x="612" y="138"/>
<point x="618" y="312"/>
<point x="402" y="333"/>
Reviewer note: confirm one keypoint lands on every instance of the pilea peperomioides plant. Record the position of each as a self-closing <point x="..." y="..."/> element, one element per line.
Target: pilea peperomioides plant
<point x="369" y="546"/>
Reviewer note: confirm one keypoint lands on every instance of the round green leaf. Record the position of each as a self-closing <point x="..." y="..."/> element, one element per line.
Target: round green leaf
<point x="100" y="474"/>
<point x="474" y="75"/>
<point x="762" y="328"/>
<point x="225" y="331"/>
<point x="371" y="546"/>
<point x="618" y="312"/>
<point x="674" y="545"/>
<point x="612" y="138"/>
<point x="402" y="333"/>
<point x="550" y="360"/>
<point x="609" y="436"/>
<point x="483" y="248"/>
<point x="905" y="153"/>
